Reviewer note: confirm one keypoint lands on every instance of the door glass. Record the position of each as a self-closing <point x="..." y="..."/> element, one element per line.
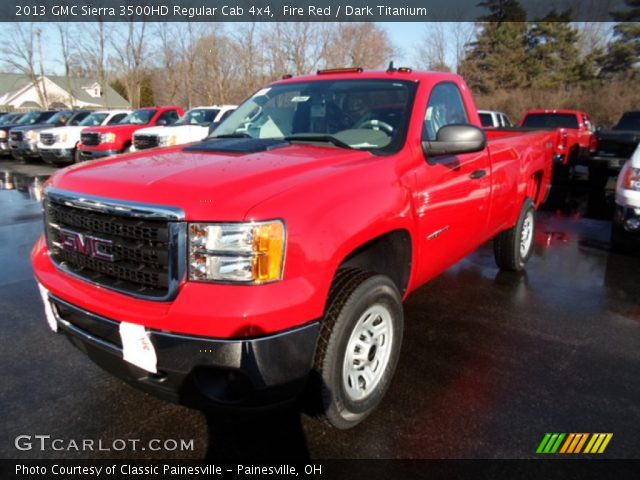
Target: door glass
<point x="445" y="107"/>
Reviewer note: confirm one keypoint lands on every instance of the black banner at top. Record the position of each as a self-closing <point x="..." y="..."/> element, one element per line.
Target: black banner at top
<point x="302" y="10"/>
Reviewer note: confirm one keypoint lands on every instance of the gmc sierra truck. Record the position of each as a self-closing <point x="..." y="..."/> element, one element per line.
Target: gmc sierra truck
<point x="59" y="146"/>
<point x="576" y="136"/>
<point x="270" y="261"/>
<point x="110" y="140"/>
<point x="192" y="127"/>
<point x="23" y="140"/>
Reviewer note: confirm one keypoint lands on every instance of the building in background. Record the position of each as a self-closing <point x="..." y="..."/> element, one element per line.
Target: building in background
<point x="18" y="92"/>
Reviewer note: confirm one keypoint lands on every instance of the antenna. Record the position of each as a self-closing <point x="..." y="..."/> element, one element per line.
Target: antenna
<point x="391" y="68"/>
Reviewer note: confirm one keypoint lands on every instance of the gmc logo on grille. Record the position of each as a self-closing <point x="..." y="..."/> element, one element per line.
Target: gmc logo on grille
<point x="86" y="244"/>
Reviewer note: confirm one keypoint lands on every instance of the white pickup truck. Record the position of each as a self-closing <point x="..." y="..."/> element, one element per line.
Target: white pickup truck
<point x="57" y="146"/>
<point x="494" y="119"/>
<point x="194" y="126"/>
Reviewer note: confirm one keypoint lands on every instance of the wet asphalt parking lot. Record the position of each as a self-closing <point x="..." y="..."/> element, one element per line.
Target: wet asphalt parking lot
<point x="491" y="361"/>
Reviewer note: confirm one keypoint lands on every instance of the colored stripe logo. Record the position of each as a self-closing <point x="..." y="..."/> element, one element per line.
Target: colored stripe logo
<point x="591" y="443"/>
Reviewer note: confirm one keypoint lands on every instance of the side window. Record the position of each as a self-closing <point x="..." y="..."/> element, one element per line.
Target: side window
<point x="445" y="107"/>
<point x="226" y="114"/>
<point x="168" y="117"/>
<point x="117" y="118"/>
<point x="78" y="118"/>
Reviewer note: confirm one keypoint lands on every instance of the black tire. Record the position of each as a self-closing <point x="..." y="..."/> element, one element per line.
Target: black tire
<point x="507" y="244"/>
<point x="354" y="293"/>
<point x="598" y="176"/>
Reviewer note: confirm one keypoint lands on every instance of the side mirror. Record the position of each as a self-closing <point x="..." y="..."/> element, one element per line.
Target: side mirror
<point x="455" y="139"/>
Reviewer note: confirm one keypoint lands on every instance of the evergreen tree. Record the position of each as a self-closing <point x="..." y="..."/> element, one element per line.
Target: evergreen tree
<point x="498" y="58"/>
<point x="623" y="53"/>
<point x="555" y="56"/>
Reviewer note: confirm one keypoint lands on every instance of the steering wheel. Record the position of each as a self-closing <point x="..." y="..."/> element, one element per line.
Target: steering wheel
<point x="377" y="125"/>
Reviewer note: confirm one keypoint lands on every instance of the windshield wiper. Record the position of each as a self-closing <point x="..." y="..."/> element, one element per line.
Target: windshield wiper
<point x="310" y="137"/>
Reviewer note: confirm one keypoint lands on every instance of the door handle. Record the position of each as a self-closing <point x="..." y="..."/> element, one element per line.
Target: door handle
<point x="478" y="174"/>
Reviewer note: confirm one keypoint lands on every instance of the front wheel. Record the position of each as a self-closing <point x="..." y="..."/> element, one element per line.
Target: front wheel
<point x="359" y="347"/>
<point x="512" y="248"/>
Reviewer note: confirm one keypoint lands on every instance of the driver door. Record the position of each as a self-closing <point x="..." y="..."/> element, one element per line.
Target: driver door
<point x="452" y="192"/>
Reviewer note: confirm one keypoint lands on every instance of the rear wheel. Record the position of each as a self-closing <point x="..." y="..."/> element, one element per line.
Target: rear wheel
<point x="358" y="349"/>
<point x="512" y="248"/>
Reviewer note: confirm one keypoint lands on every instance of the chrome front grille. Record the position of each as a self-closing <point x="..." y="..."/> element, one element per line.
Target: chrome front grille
<point x="16" y="136"/>
<point x="90" y="138"/>
<point x="134" y="249"/>
<point x="47" y="138"/>
<point x="142" y="142"/>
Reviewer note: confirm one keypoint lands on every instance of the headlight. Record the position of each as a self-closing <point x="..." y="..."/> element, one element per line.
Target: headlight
<point x="236" y="252"/>
<point x="3" y="134"/>
<point x="107" y="137"/>
<point x="632" y="179"/>
<point x="32" y="135"/>
<point x="167" y="140"/>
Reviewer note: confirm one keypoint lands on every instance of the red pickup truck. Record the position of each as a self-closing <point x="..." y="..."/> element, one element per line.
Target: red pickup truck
<point x="576" y="134"/>
<point x="273" y="257"/>
<point x="109" y="140"/>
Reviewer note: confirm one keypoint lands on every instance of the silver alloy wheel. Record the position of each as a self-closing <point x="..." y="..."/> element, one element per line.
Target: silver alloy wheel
<point x="368" y="352"/>
<point x="526" y="237"/>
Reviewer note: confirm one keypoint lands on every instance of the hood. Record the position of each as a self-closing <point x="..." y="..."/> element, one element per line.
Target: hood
<point x="117" y="129"/>
<point x="35" y="126"/>
<point x="151" y="130"/>
<point x="62" y="130"/>
<point x="10" y="126"/>
<point x="208" y="186"/>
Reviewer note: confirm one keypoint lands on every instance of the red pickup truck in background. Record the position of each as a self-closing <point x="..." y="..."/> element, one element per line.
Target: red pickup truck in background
<point x="272" y="258"/>
<point x="576" y="135"/>
<point x="109" y="140"/>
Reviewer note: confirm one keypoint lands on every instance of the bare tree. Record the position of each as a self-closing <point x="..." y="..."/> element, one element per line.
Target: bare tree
<point x="130" y="50"/>
<point x="19" y="54"/>
<point x="363" y="44"/>
<point x="296" y="48"/>
<point x="431" y="52"/>
<point x="64" y="36"/>
<point x="90" y="54"/>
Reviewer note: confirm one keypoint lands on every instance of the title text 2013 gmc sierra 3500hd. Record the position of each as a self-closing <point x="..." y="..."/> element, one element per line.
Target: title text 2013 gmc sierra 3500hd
<point x="272" y="258"/>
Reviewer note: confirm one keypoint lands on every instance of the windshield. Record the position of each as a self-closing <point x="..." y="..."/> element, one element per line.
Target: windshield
<point x="198" y="117"/>
<point x="6" y="118"/>
<point x="59" y="118"/>
<point x="551" y="120"/>
<point x="34" y="117"/>
<point x="629" y="121"/>
<point x="139" y="117"/>
<point x="93" y="120"/>
<point x="363" y="114"/>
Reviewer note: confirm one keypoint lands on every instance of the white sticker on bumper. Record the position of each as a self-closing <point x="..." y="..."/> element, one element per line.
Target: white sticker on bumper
<point x="48" y="309"/>
<point x="137" y="348"/>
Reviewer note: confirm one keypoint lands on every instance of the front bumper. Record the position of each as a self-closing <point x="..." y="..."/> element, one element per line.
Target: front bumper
<point x="198" y="371"/>
<point x="57" y="155"/>
<point x="20" y="150"/>
<point x="94" y="154"/>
